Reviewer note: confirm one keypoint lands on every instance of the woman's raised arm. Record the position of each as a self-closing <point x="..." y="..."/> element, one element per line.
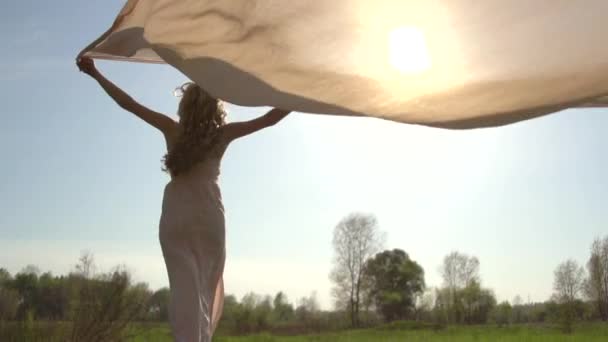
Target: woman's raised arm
<point x="162" y="122"/>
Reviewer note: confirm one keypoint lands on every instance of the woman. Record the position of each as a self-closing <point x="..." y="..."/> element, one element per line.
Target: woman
<point x="192" y="234"/>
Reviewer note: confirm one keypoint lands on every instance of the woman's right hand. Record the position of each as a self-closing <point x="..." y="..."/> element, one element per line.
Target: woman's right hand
<point x="86" y="65"/>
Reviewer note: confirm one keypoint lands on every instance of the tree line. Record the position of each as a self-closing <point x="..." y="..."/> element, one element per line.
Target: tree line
<point x="372" y="286"/>
<point x="391" y="285"/>
<point x="86" y="305"/>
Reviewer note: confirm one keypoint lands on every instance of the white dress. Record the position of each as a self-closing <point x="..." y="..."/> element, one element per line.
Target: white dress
<point x="192" y="237"/>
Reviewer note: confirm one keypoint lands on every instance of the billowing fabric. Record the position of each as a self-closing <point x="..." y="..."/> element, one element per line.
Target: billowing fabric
<point x="444" y="63"/>
<point x="193" y="240"/>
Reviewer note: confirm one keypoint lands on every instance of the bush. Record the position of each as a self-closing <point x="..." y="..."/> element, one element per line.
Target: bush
<point x="106" y="305"/>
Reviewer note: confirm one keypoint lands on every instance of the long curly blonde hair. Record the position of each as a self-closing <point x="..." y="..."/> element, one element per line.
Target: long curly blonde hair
<point x="201" y="117"/>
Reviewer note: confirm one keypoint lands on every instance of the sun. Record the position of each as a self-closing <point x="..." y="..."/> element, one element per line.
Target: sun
<point x="408" y="51"/>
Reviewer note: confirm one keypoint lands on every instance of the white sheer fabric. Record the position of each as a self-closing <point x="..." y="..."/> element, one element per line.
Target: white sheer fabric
<point x="447" y="63"/>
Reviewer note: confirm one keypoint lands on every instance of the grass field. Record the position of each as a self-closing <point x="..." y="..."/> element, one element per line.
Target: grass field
<point x="586" y="333"/>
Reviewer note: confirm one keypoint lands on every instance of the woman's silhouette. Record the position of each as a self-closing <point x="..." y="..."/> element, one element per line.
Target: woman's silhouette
<point x="192" y="231"/>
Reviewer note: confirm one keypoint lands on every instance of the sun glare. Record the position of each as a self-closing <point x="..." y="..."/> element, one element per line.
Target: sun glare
<point x="408" y="51"/>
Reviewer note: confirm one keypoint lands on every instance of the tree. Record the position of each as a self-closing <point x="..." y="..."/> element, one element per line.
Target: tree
<point x="356" y="239"/>
<point x="568" y="284"/>
<point x="253" y="314"/>
<point x="424" y="304"/>
<point x="5" y="277"/>
<point x="458" y="271"/>
<point x="476" y="303"/>
<point x="26" y="285"/>
<point x="9" y="302"/>
<point x="396" y="281"/>
<point x="263" y="313"/>
<point x="9" y="298"/>
<point x="596" y="285"/>
<point x="159" y="304"/>
<point x="307" y="311"/>
<point x="230" y="315"/>
<point x="31" y="270"/>
<point x="502" y="314"/>
<point x="245" y="319"/>
<point x="52" y="302"/>
<point x="86" y="265"/>
<point x="309" y="304"/>
<point x="518" y="310"/>
<point x="441" y="311"/>
<point x="283" y="310"/>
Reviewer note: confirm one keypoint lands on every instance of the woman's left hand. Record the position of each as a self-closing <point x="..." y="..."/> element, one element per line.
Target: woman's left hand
<point x="86" y="65"/>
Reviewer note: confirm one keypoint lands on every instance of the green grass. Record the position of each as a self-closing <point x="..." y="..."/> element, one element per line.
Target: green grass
<point x="393" y="333"/>
<point x="583" y="333"/>
<point x="154" y="332"/>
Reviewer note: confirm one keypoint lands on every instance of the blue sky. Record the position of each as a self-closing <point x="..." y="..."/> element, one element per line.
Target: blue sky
<point x="80" y="174"/>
